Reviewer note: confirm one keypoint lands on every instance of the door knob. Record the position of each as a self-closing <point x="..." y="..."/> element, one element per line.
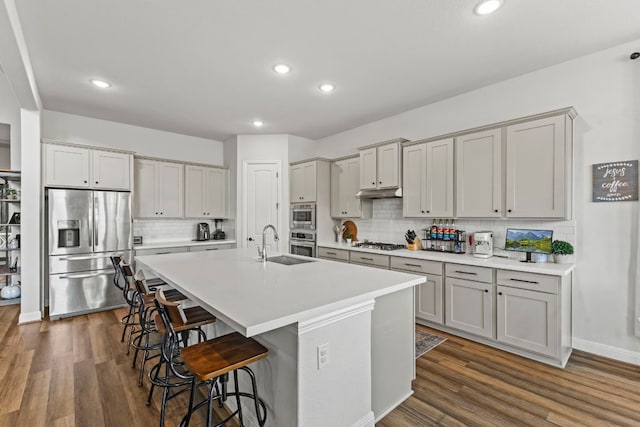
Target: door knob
<point x="250" y="239"/>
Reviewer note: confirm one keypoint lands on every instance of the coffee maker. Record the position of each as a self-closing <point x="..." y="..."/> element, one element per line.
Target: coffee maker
<point x="483" y="244"/>
<point x="202" y="231"/>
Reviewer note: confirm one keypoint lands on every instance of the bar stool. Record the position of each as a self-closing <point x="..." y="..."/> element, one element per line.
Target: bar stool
<point x="173" y="380"/>
<point x="210" y="362"/>
<point x="145" y="310"/>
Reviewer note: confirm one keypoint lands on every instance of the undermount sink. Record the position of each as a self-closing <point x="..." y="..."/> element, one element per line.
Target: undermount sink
<point x="288" y="260"/>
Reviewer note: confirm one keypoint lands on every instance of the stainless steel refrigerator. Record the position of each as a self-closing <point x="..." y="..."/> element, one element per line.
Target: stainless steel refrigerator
<point x="85" y="228"/>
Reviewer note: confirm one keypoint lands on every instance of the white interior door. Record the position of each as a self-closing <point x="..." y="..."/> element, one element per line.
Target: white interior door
<point x="262" y="203"/>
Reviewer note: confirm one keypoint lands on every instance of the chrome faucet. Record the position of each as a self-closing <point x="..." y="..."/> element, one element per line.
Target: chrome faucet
<point x="262" y="252"/>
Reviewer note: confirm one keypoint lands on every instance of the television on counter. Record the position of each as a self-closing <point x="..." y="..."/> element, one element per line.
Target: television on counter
<point x="529" y="241"/>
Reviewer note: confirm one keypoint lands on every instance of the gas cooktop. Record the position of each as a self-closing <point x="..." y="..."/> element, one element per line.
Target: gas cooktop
<point x="379" y="245"/>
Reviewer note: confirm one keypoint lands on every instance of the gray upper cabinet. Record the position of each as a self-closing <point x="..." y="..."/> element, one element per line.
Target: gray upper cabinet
<point x="538" y="164"/>
<point x="479" y="169"/>
<point x="345" y="182"/>
<point x="428" y="179"/>
<point x="380" y="167"/>
<point x="303" y="178"/>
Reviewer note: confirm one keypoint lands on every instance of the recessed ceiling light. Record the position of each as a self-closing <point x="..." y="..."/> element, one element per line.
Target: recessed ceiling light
<point x="257" y="123"/>
<point x="326" y="87"/>
<point x="100" y="83"/>
<point x="488" y="6"/>
<point x="282" y="69"/>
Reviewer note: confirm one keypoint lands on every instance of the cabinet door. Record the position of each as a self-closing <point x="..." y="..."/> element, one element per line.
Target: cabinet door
<point x="338" y="182"/>
<point x="216" y="192"/>
<point x="536" y="167"/>
<point x="528" y="319"/>
<point x="296" y="175"/>
<point x="388" y="163"/>
<point x="170" y="190"/>
<point x="110" y="170"/>
<point x="194" y="192"/>
<point x="352" y="204"/>
<point x="479" y="175"/>
<point x="414" y="181"/>
<point x="66" y="166"/>
<point x="439" y="198"/>
<point x="368" y="166"/>
<point x="469" y="306"/>
<point x="309" y="182"/>
<point x="145" y="201"/>
<point x="428" y="299"/>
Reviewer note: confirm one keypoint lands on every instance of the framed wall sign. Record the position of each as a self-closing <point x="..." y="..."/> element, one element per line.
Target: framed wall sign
<point x="615" y="182"/>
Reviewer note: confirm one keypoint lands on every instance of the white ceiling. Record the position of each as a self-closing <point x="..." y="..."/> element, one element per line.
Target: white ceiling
<point x="203" y="67"/>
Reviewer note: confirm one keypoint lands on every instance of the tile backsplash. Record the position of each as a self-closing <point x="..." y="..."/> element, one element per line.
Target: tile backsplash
<point x="388" y="225"/>
<point x="168" y="230"/>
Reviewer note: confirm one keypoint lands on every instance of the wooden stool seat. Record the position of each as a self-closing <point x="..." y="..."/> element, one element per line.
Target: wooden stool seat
<point x="219" y="356"/>
<point x="196" y="317"/>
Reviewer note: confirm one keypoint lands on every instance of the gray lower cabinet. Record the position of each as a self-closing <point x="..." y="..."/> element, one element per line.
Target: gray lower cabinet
<point x="202" y="248"/>
<point x="469" y="306"/>
<point x="428" y="296"/>
<point x="340" y="255"/>
<point x="534" y="312"/>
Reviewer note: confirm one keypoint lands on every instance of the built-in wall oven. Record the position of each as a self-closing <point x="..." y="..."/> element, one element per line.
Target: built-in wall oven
<point x="303" y="217"/>
<point x="302" y="242"/>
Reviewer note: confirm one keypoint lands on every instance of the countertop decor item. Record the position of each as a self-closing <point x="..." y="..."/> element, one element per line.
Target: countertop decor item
<point x="350" y="228"/>
<point x="562" y="251"/>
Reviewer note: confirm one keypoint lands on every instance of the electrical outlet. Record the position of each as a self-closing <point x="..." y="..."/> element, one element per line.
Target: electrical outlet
<point x="323" y="355"/>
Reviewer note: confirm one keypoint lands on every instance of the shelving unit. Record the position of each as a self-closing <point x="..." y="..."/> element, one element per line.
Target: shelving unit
<point x="9" y="231"/>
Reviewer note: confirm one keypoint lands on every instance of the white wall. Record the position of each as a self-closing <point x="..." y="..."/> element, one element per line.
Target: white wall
<point x="251" y="148"/>
<point x="604" y="88"/>
<point x="144" y="141"/>
<point x="10" y="114"/>
<point x="301" y="148"/>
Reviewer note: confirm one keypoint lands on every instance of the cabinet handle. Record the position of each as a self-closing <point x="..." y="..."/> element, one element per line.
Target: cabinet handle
<point x="331" y="253"/>
<point x="373" y="183"/>
<point x="486" y="290"/>
<point x="428" y="211"/>
<point x="367" y="259"/>
<point x="499" y="293"/>
<point x="96" y="182"/>
<point x="379" y="182"/>
<point x="162" y="253"/>
<point x="508" y="210"/>
<point x="526" y="281"/>
<point x="466" y="272"/>
<point x="413" y="265"/>
<point x="211" y="249"/>
<point x="495" y="210"/>
<point x="85" y="181"/>
<point x="156" y="213"/>
<point x="422" y="211"/>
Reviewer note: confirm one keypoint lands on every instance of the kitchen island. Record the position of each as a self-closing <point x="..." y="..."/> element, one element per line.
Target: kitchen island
<point x="364" y="318"/>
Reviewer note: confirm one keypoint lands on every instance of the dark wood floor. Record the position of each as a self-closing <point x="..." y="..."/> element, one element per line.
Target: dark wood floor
<point x="465" y="383"/>
<point x="74" y="372"/>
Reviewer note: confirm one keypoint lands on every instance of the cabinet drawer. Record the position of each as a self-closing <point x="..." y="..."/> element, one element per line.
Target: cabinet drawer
<point x="161" y="251"/>
<point x="416" y="265"/>
<point x="337" y="254"/>
<point x="375" y="260"/>
<point x="531" y="281"/>
<point x="468" y="272"/>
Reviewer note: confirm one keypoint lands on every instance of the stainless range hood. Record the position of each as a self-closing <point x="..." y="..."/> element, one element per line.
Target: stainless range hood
<point x="383" y="193"/>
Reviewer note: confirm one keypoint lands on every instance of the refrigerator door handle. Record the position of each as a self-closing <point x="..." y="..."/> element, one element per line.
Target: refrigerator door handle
<point x="95" y="220"/>
<point x="83" y="276"/>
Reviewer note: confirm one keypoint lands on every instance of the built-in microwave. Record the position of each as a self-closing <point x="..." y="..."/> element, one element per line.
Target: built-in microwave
<point x="303" y="217"/>
<point x="298" y="247"/>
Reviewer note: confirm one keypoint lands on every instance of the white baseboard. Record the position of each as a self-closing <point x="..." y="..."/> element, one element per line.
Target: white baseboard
<point x="366" y="421"/>
<point x="34" y="316"/>
<point x="605" y="350"/>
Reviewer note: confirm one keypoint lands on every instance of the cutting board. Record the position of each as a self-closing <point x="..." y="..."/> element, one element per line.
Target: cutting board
<point x="350" y="228"/>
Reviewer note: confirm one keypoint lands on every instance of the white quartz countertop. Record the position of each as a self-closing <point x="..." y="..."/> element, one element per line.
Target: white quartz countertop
<point x="182" y="243"/>
<point x="255" y="297"/>
<point x="493" y="262"/>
